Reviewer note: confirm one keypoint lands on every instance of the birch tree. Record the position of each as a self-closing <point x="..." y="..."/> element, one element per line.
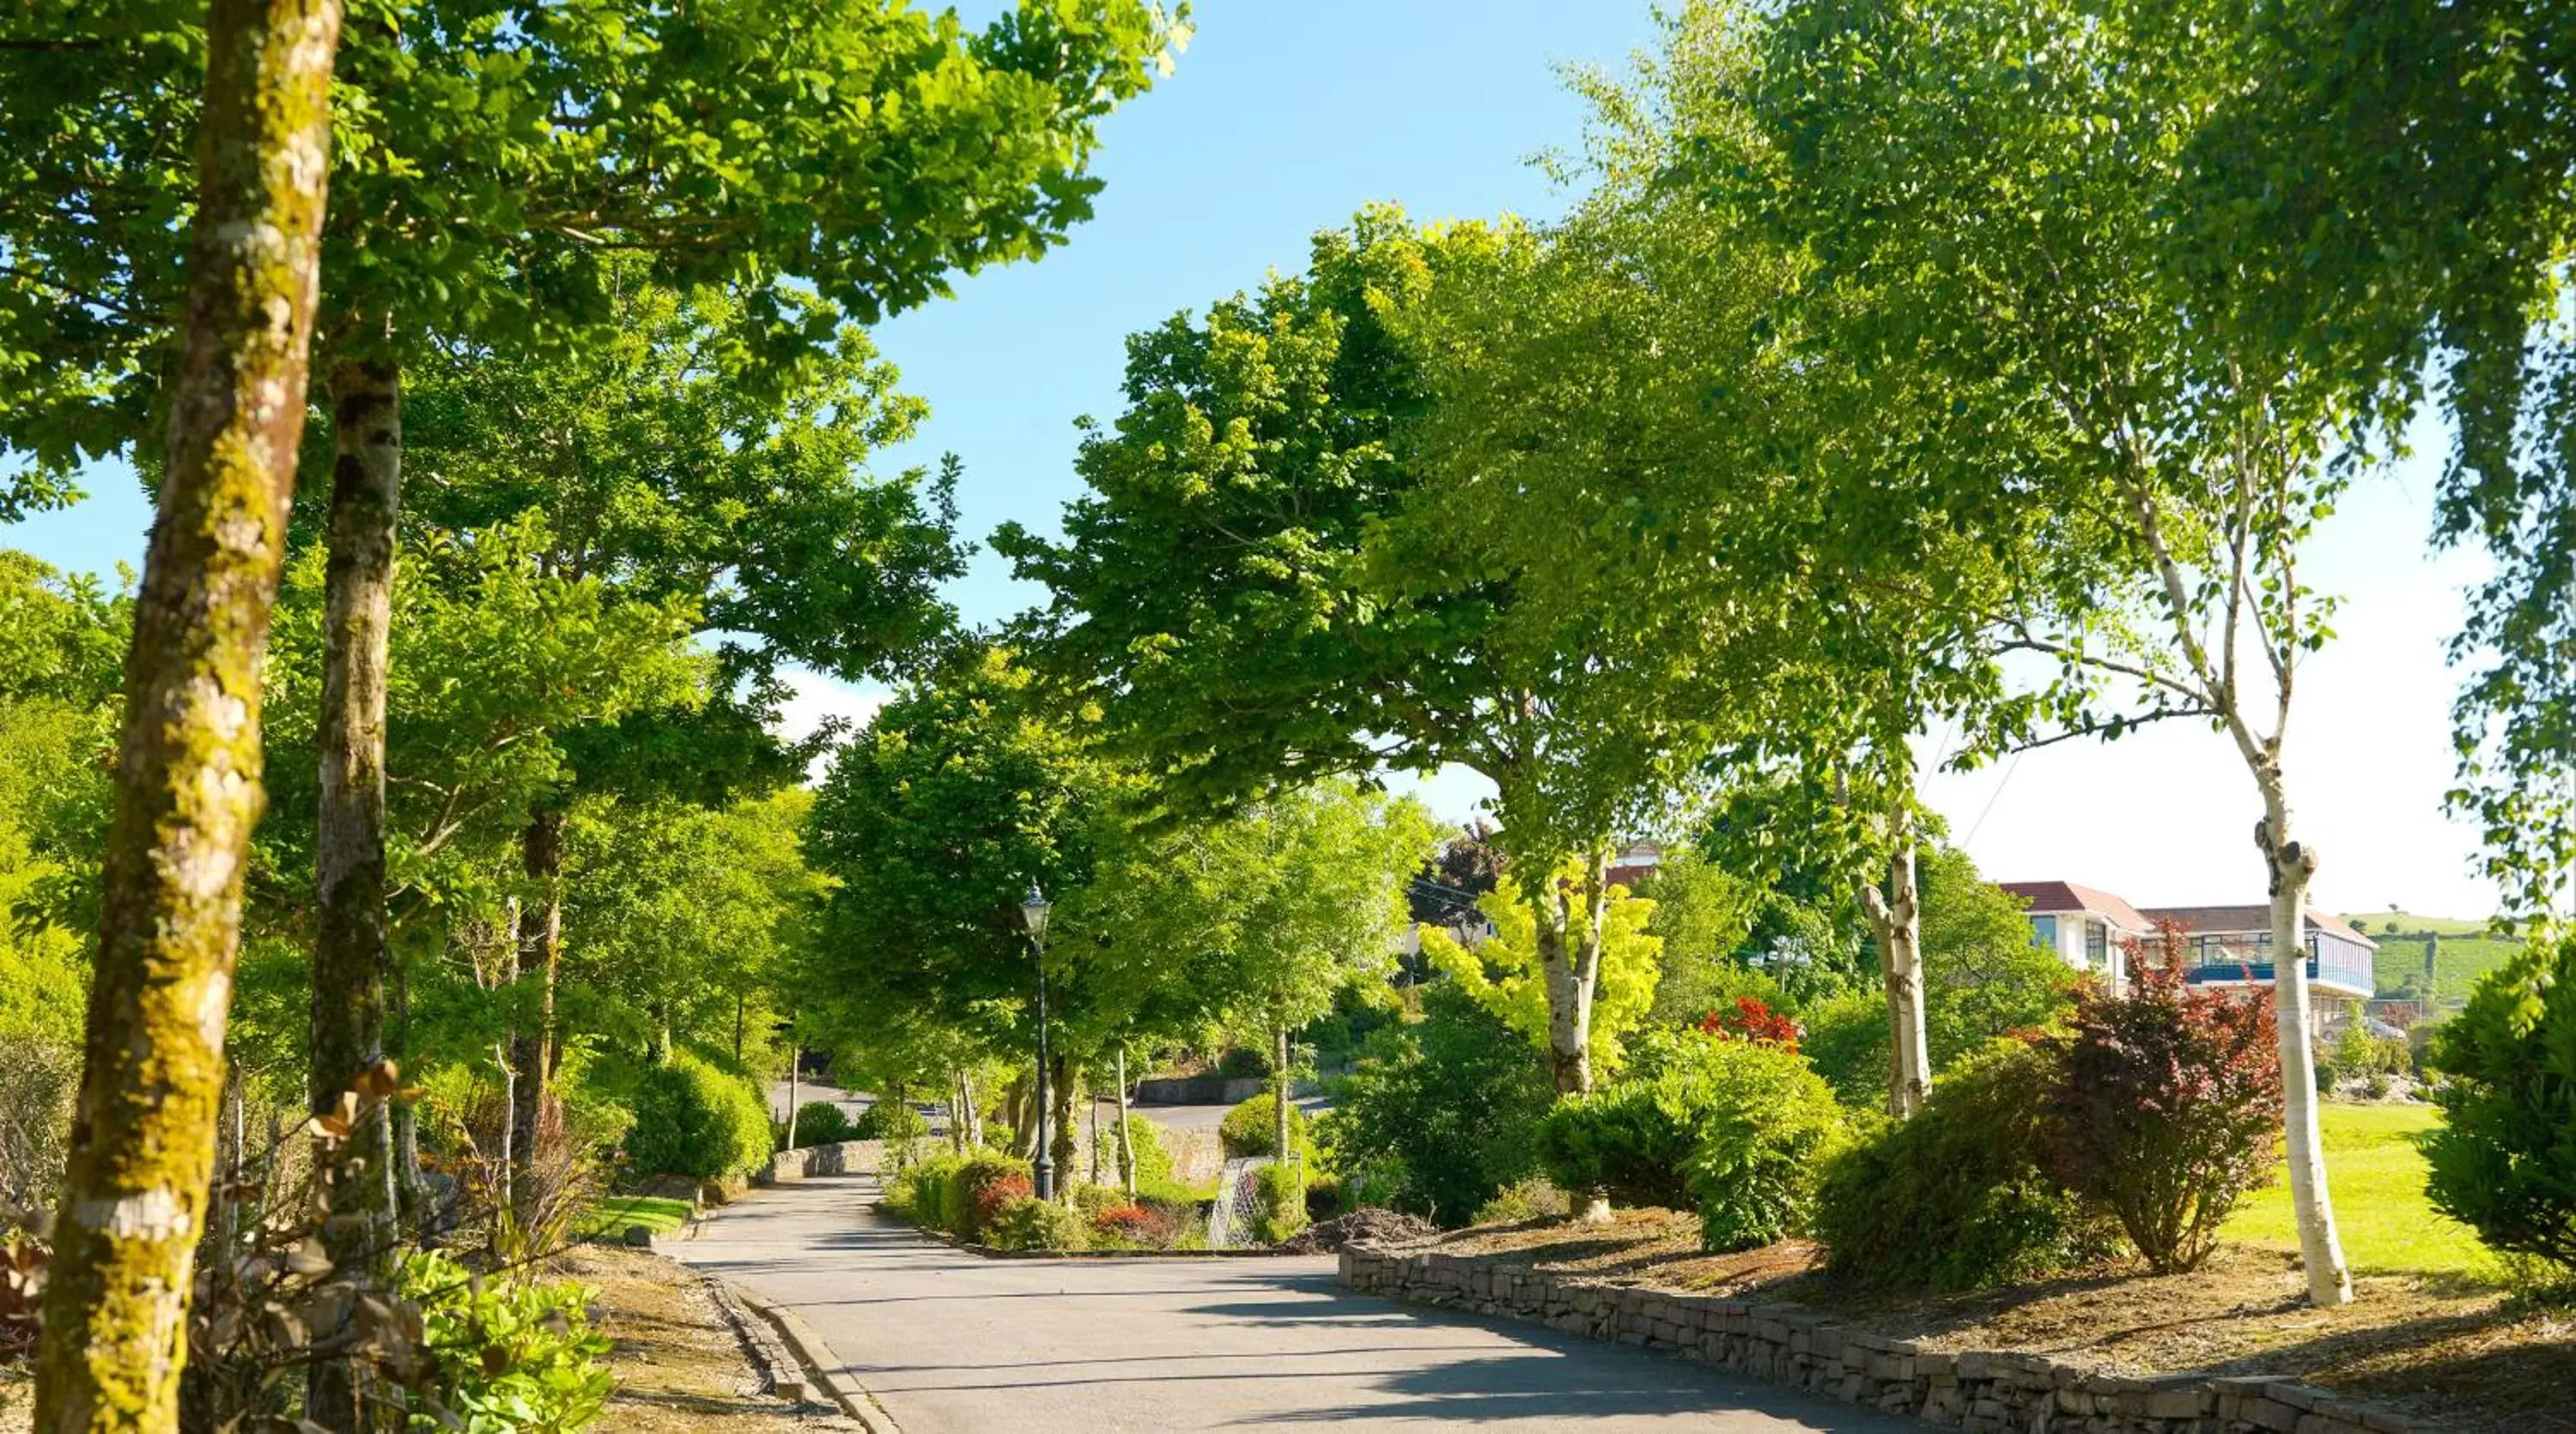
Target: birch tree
<point x="188" y="767"/>
<point x="1994" y="195"/>
<point x="2397" y="179"/>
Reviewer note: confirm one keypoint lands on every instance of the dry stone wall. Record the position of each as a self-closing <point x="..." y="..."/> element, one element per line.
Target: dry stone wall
<point x="848" y="1157"/>
<point x="1994" y="1393"/>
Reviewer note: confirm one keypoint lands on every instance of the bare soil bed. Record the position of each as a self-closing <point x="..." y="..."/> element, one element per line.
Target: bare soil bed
<point x="2437" y="1348"/>
<point x="680" y="1367"/>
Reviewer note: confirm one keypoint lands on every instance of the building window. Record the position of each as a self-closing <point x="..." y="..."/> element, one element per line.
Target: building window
<point x="2043" y="932"/>
<point x="2097" y="944"/>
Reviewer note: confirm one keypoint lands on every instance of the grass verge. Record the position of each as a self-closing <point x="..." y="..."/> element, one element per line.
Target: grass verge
<point x="655" y="1213"/>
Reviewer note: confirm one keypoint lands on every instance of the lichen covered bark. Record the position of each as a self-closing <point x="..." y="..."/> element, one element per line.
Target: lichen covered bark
<point x="351" y="956"/>
<point x="188" y="766"/>
<point x="540" y="952"/>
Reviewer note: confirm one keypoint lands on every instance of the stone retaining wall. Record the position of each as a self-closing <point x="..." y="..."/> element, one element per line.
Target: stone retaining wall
<point x="849" y="1157"/>
<point x="1992" y="1392"/>
<point x="1213" y="1090"/>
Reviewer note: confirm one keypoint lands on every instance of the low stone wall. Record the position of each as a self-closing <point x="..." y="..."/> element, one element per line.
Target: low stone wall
<point x="849" y="1157"/>
<point x="1211" y="1090"/>
<point x="1198" y="1090"/>
<point x="1992" y="1392"/>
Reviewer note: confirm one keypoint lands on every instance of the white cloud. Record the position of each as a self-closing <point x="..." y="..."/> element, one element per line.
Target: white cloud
<point x="815" y="698"/>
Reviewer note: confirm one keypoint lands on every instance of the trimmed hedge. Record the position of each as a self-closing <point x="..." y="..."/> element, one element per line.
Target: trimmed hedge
<point x="963" y="1196"/>
<point x="1028" y="1223"/>
<point x="694" y="1119"/>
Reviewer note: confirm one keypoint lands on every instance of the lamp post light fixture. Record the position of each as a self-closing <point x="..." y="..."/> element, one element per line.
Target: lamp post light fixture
<point x="1033" y="911"/>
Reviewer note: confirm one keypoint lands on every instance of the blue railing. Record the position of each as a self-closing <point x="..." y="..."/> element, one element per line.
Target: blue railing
<point x="2351" y="975"/>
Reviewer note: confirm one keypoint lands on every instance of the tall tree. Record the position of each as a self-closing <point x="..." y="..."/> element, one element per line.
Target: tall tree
<point x="1259" y="589"/>
<point x="1661" y="370"/>
<point x="504" y="156"/>
<point x="670" y="468"/>
<point x="2392" y="192"/>
<point x="188" y="769"/>
<point x="1313" y="886"/>
<point x="2005" y="185"/>
<point x="934" y="823"/>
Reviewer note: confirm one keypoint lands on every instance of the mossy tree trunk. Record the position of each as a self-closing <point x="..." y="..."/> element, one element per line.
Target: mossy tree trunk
<point x="351" y="951"/>
<point x="188" y="765"/>
<point x="532" y="1042"/>
<point x="1063" y="1074"/>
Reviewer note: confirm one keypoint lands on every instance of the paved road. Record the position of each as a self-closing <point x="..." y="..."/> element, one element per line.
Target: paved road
<point x="952" y="1343"/>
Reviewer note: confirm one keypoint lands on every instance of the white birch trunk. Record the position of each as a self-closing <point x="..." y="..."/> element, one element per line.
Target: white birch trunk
<point x="1896" y="920"/>
<point x="2293" y="868"/>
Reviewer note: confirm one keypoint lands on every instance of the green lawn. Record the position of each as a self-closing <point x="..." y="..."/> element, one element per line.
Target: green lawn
<point x="2376" y="1175"/>
<point x="613" y="1214"/>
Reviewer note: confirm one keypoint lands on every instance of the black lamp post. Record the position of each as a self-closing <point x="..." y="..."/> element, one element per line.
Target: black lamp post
<point x="1034" y="912"/>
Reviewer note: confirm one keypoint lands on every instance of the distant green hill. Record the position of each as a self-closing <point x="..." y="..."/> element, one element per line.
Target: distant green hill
<point x="2468" y="951"/>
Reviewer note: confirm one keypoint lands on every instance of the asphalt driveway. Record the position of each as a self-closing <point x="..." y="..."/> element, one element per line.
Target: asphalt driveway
<point x="948" y="1341"/>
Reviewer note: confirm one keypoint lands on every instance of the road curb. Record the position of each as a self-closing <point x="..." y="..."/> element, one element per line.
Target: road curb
<point x="819" y="1362"/>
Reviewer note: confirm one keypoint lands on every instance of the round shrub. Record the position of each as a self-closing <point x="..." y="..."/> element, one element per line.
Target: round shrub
<point x="1959" y="1197"/>
<point x="2166" y="1109"/>
<point x="967" y="1207"/>
<point x="1732" y="1129"/>
<point x="1442" y="1113"/>
<point x="820" y="1122"/>
<point x="2503" y="1161"/>
<point x="696" y="1120"/>
<point x="1625" y="1140"/>
<point x="1145" y="1139"/>
<point x="1765" y="1122"/>
<point x="890" y="1120"/>
<point x="1251" y="1129"/>
<point x="1028" y="1223"/>
<point x="1536" y="1198"/>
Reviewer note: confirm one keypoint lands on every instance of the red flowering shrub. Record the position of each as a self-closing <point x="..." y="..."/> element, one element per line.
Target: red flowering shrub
<point x="2165" y="1108"/>
<point x="1753" y="1020"/>
<point x="1136" y="1224"/>
<point x="994" y="1196"/>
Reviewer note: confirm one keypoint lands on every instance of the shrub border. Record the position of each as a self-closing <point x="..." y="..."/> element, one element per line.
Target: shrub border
<point x="991" y="1253"/>
<point x="1989" y="1391"/>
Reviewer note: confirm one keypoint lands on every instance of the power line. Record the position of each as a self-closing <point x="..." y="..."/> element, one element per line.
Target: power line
<point x="2009" y="768"/>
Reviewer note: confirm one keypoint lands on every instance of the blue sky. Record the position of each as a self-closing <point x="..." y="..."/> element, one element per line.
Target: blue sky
<point x="1287" y="115"/>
